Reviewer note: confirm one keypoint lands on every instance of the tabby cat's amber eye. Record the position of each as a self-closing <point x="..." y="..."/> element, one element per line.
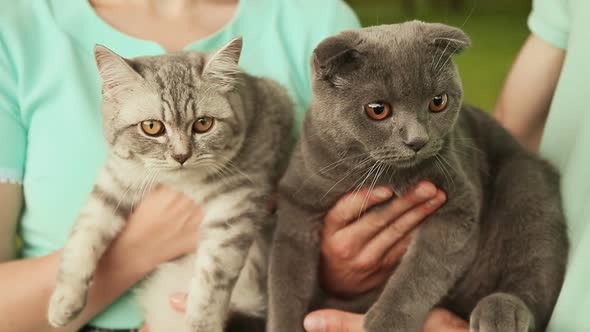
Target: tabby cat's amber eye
<point x="153" y="127"/>
<point x="438" y="103"/>
<point x="378" y="110"/>
<point x="203" y="124"/>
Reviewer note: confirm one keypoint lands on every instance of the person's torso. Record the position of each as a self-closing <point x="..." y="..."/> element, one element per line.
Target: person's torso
<point x="566" y="143"/>
<point x="51" y="46"/>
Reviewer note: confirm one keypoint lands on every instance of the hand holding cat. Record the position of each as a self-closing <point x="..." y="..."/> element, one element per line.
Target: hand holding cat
<point x="439" y="320"/>
<point x="164" y="226"/>
<point x="377" y="240"/>
<point x="359" y="253"/>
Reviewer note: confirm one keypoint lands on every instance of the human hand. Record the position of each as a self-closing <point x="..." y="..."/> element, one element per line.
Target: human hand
<point x="164" y="226"/>
<point x="177" y="302"/>
<point x="360" y="253"/>
<point x="328" y="320"/>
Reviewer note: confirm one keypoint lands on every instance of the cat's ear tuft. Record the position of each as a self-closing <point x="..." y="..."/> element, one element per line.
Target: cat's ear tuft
<point x="452" y="40"/>
<point x="336" y="56"/>
<point x="116" y="73"/>
<point x="222" y="66"/>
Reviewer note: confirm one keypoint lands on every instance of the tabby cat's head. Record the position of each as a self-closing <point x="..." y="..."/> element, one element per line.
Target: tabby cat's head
<point x="176" y="111"/>
<point x="389" y="91"/>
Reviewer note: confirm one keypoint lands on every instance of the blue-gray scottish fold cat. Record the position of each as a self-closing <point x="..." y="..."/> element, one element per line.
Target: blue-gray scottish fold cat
<point x="198" y="124"/>
<point x="388" y="109"/>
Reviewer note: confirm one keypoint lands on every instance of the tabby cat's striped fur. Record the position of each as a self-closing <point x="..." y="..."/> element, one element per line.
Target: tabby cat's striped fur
<point x="230" y="170"/>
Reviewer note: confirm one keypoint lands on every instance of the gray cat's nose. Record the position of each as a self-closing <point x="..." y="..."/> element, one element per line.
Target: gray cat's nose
<point x="416" y="143"/>
<point x="181" y="158"/>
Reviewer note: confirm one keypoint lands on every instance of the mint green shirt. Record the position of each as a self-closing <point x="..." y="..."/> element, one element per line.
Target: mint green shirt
<point x="566" y="143"/>
<point x="50" y="127"/>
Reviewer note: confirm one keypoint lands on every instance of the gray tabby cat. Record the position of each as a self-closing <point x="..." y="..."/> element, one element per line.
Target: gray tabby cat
<point x="195" y="123"/>
<point x="387" y="110"/>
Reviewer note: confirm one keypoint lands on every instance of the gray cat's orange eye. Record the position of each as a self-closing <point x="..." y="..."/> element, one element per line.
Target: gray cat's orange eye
<point x="378" y="110"/>
<point x="203" y="124"/>
<point x="153" y="127"/>
<point x="438" y="103"/>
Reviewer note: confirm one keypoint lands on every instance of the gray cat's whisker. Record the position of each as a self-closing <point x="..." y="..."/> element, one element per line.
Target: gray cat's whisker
<point x="441" y="56"/>
<point x="340" y="162"/>
<point x="454" y="169"/>
<point x="346" y="175"/>
<point x="449" y="57"/>
<point x="368" y="174"/>
<point x="371" y="187"/>
<point x="356" y="183"/>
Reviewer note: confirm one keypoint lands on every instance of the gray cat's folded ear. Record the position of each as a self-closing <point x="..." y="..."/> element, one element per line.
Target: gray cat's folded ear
<point x="336" y="56"/>
<point x="222" y="66"/>
<point x="452" y="40"/>
<point x="116" y="73"/>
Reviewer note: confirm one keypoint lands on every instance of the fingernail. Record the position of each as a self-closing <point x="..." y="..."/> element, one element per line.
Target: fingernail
<point x="382" y="193"/>
<point x="425" y="192"/>
<point x="178" y="298"/>
<point x="433" y="202"/>
<point x="313" y="323"/>
<point x="438" y="200"/>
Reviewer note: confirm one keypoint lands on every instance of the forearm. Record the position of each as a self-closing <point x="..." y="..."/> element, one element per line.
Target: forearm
<point x="524" y="101"/>
<point x="26" y="286"/>
<point x="12" y="203"/>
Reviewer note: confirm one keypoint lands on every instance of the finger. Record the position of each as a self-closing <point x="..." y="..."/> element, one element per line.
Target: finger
<point x="351" y="205"/>
<point x="359" y="233"/>
<point x="386" y="242"/>
<point x="333" y="321"/>
<point x="442" y="320"/>
<point x="392" y="257"/>
<point x="178" y="302"/>
<point x="374" y="280"/>
<point x="144" y="328"/>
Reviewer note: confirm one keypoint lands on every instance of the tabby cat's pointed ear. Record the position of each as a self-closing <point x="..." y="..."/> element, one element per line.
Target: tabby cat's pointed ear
<point x="452" y="40"/>
<point x="335" y="56"/>
<point x="116" y="73"/>
<point x="222" y="66"/>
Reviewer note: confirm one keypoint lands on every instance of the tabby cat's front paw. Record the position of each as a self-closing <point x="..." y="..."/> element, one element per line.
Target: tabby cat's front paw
<point x="383" y="320"/>
<point x="65" y="304"/>
<point x="501" y="312"/>
<point x="200" y="324"/>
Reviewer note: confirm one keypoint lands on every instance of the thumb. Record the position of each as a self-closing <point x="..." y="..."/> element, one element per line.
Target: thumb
<point x="333" y="321"/>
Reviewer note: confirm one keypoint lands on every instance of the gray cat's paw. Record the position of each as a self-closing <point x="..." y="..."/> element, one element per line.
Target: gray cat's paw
<point x="501" y="312"/>
<point x="65" y="304"/>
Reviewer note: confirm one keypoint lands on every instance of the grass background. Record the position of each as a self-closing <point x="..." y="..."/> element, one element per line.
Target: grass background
<point x="497" y="29"/>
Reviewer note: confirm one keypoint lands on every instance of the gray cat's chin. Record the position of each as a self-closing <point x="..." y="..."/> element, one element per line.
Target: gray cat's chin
<point x="404" y="163"/>
<point x="397" y="162"/>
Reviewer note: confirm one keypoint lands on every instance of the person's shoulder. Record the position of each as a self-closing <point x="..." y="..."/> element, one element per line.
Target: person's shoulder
<point x="14" y="14"/>
<point x="324" y="14"/>
<point x="307" y="22"/>
<point x="20" y="18"/>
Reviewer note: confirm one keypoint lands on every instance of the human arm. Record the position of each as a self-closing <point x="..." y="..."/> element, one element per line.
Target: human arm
<point x="524" y="101"/>
<point x="359" y="253"/>
<point x="12" y="203"/>
<point x="27" y="284"/>
<point x="328" y="320"/>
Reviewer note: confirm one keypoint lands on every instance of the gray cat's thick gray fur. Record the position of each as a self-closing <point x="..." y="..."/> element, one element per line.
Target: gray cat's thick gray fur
<point x="495" y="253"/>
<point x="224" y="143"/>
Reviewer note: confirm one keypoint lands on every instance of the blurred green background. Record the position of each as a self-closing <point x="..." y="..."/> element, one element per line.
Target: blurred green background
<point x="497" y="29"/>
